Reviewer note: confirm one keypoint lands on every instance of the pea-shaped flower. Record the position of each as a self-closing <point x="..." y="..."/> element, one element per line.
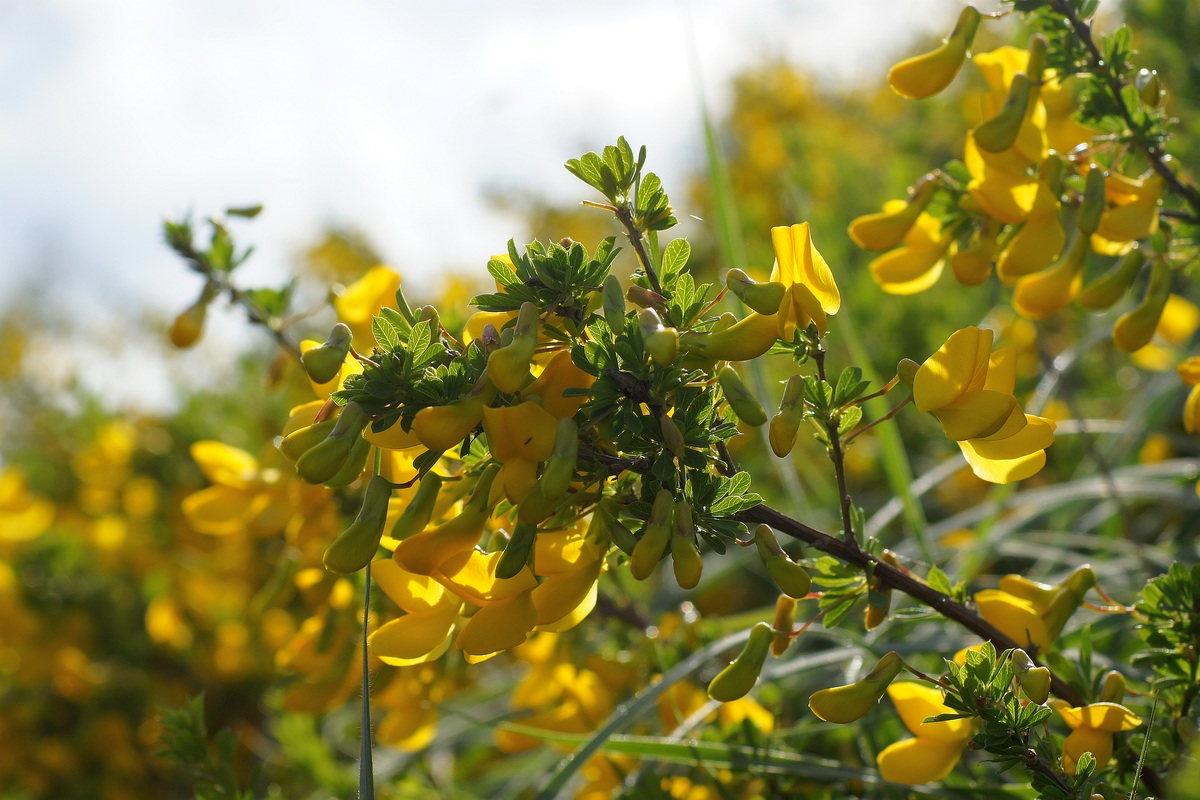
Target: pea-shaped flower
<point x="938" y="745"/>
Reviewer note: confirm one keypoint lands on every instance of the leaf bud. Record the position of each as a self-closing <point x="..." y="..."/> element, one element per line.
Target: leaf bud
<point x="1112" y="285"/>
<point x="997" y="134"/>
<point x="762" y="297"/>
<point x="785" y="620"/>
<point x="685" y="555"/>
<point x="323" y="362"/>
<point x="843" y="704"/>
<point x="736" y="680"/>
<point x="419" y="509"/>
<point x="356" y="546"/>
<point x="1134" y="329"/>
<point x="656" y="535"/>
<point x="743" y="403"/>
<point x="613" y="304"/>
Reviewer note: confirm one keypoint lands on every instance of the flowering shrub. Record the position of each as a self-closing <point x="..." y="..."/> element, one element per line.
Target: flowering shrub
<point x="575" y="542"/>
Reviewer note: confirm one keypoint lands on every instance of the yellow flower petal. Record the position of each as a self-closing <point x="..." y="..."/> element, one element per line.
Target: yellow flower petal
<point x="413" y="593"/>
<point x="225" y="465"/>
<point x="1035" y="246"/>
<point x="918" y="761"/>
<point x="523" y="431"/>
<point x="960" y="365"/>
<point x="797" y="261"/>
<point x="472" y="576"/>
<point x="1036" y="434"/>
<point x="917" y="701"/>
<point x="1016" y="618"/>
<point x="414" y="638"/>
<point x="975" y="414"/>
<point x="499" y="626"/>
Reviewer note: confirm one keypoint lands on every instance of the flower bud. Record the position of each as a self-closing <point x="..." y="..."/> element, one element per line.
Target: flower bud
<point x="655" y="537"/>
<point x="186" y="329"/>
<point x="1112" y="285"/>
<point x="613" y="304"/>
<point x="743" y="403"/>
<point x="762" y="297"/>
<point x="973" y="264"/>
<point x="560" y="468"/>
<point x="791" y="578"/>
<point x="661" y="343"/>
<point x="786" y="424"/>
<point x="842" y="704"/>
<point x="353" y="466"/>
<point x="517" y="551"/>
<point x="1112" y="690"/>
<point x="685" y="555"/>
<point x="886" y="230"/>
<point x="323" y="362"/>
<point x="442" y="427"/>
<point x="1045" y="293"/>
<point x="508" y="367"/>
<point x="322" y="462"/>
<point x="727" y="320"/>
<point x="929" y="73"/>
<point x="622" y="537"/>
<point x="906" y="371"/>
<point x="997" y="134"/>
<point x="645" y="298"/>
<point x="785" y="620"/>
<point x="1149" y="87"/>
<point x="1034" y="680"/>
<point x="672" y="436"/>
<point x="736" y="680"/>
<point x="424" y="552"/>
<point x="419" y="509"/>
<point x="1067" y="598"/>
<point x="1135" y="328"/>
<point x="298" y="442"/>
<point x="746" y="339"/>
<point x="1092" y="207"/>
<point x="355" y="547"/>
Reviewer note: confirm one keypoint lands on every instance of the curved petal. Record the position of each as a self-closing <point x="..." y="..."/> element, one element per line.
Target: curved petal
<point x="975" y="414"/>
<point x="1016" y="618"/>
<point x="918" y="761"/>
<point x="916" y="701"/>
<point x="218" y="510"/>
<point x="797" y="261"/>
<point x="413" y="638"/>
<point x="960" y="365"/>
<point x="499" y="626"/>
<point x="412" y="592"/>
<point x="223" y="464"/>
<point x="1036" y="434"/>
<point x="908" y="270"/>
<point x="472" y="576"/>
<point x="1087" y="740"/>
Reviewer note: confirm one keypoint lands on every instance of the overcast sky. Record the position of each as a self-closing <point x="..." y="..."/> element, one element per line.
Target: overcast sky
<point x="385" y="116"/>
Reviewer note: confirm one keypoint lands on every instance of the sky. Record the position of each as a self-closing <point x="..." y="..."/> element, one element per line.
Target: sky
<point x="388" y="117"/>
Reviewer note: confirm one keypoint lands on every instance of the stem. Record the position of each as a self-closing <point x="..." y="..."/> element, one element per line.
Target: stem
<point x="861" y="429"/>
<point x="366" y="771"/>
<point x="839" y="460"/>
<point x="625" y="216"/>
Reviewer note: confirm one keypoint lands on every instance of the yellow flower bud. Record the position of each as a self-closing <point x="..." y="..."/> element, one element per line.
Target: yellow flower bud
<point x="761" y="297"/>
<point x="1135" y="328"/>
<point x="419" y="509"/>
<point x="887" y="229"/>
<point x="737" y="679"/>
<point x="685" y="555"/>
<point x="560" y="468"/>
<point x="672" y="436"/>
<point x="353" y="466"/>
<point x="791" y="578"/>
<point x="187" y="327"/>
<point x="786" y="424"/>
<point x="746" y="339"/>
<point x="997" y="134"/>
<point x="785" y="620"/>
<point x="508" y="367"/>
<point x="843" y="704"/>
<point x="442" y="427"/>
<point x="1034" y="680"/>
<point x="1047" y="292"/>
<point x="323" y="362"/>
<point x="298" y="442"/>
<point x="660" y="342"/>
<point x="654" y="539"/>
<point x="424" y="552"/>
<point x="613" y="304"/>
<point x="929" y="73"/>
<point x="1092" y="207"/>
<point x="1112" y="690"/>
<point x="355" y="547"/>
<point x="1112" y="285"/>
<point x="743" y="403"/>
<point x="322" y="462"/>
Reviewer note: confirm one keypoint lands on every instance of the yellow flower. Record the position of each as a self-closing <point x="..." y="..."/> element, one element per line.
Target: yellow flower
<point x="1016" y="617"/>
<point x="423" y="633"/>
<point x="916" y="265"/>
<point x="929" y="73"/>
<point x="953" y="385"/>
<point x="1189" y="372"/>
<point x="812" y="292"/>
<point x="1013" y="458"/>
<point x="358" y="304"/>
<point x="1132" y="213"/>
<point x="519" y="436"/>
<point x="23" y="515"/>
<point x="245" y="495"/>
<point x="1092" y="728"/>
<point x="937" y="746"/>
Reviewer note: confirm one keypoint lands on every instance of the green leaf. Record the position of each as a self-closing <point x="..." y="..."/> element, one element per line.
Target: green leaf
<point x="386" y="334"/>
<point x="675" y="257"/>
<point x="246" y="212"/>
